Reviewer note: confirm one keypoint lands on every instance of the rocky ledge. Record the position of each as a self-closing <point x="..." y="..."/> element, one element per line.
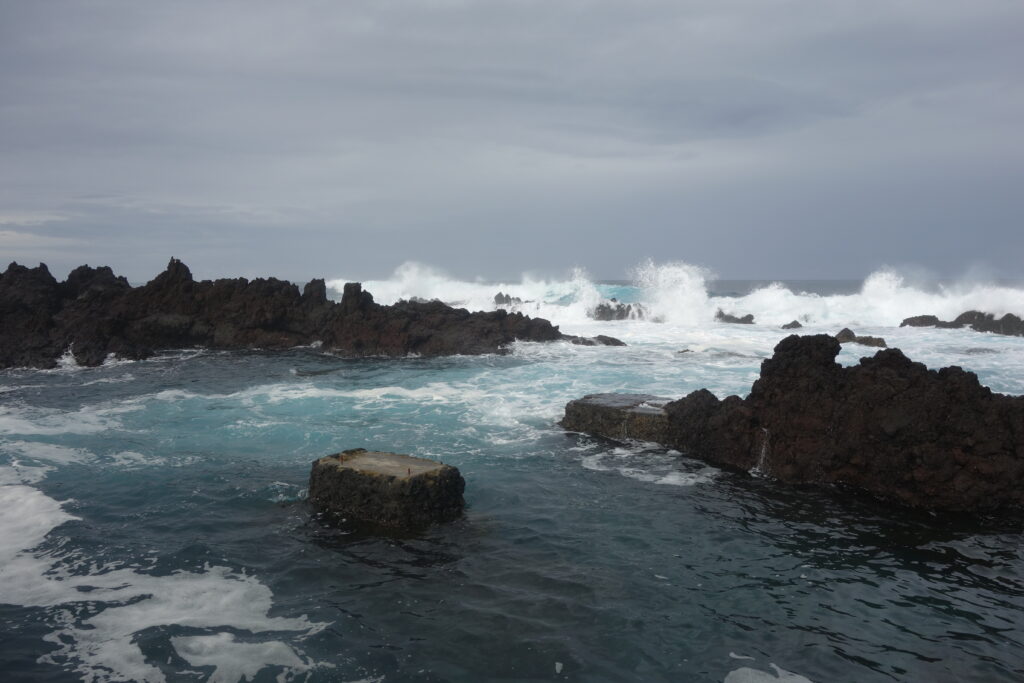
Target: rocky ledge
<point x="934" y="439"/>
<point x="386" y="489"/>
<point x="978" y="321"/>
<point x="95" y="313"/>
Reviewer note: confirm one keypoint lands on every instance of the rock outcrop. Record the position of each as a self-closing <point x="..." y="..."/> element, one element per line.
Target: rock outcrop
<point x="1009" y="324"/>
<point x="723" y="317"/>
<point x="386" y="489"/>
<point x="847" y="336"/>
<point x="792" y="325"/>
<point x="616" y="310"/>
<point x="933" y="439"/>
<point x="502" y="299"/>
<point x="95" y="313"/>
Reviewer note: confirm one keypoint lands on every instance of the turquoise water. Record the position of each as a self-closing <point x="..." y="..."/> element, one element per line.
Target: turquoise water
<point x="155" y="528"/>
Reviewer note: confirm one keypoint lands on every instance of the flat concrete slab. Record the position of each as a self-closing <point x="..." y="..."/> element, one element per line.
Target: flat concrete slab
<point x="386" y="464"/>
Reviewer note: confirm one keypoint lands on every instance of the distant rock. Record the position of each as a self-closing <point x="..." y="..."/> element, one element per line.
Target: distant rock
<point x="599" y="340"/>
<point x="723" y="317"/>
<point x="1009" y="324"/>
<point x="933" y="439"/>
<point x="95" y="314"/>
<point x="846" y="336"/>
<point x="794" y="325"/>
<point x="386" y="489"/>
<point x="616" y="310"/>
<point x="501" y="299"/>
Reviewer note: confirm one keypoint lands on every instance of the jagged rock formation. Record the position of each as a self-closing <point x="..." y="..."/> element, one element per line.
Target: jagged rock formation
<point x="1009" y="324"/>
<point x="847" y="336"/>
<point x="502" y="299"/>
<point x="933" y="439"/>
<point x="616" y="310"/>
<point x="386" y="489"/>
<point x="723" y="317"/>
<point x="95" y="313"/>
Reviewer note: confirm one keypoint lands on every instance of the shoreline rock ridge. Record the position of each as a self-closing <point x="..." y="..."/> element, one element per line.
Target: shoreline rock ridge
<point x="933" y="439"/>
<point x="95" y="313"/>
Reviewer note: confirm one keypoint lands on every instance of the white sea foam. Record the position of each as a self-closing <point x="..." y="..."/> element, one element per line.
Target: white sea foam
<point x="235" y="661"/>
<point x="18" y="420"/>
<point x="654" y="468"/>
<point x="677" y="293"/>
<point x="103" y="647"/>
<point x="748" y="675"/>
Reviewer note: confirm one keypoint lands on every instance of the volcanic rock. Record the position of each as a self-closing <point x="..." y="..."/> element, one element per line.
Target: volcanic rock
<point x="386" y="489"/>
<point x="501" y="299"/>
<point x="1009" y="324"/>
<point x="846" y="336"/>
<point x="723" y="317"/>
<point x="616" y="310"/>
<point x="95" y="314"/>
<point x="794" y="325"/>
<point x="933" y="439"/>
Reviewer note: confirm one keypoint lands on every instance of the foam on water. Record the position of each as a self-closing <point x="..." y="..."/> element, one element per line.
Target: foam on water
<point x="648" y="463"/>
<point x="18" y="420"/>
<point x="103" y="647"/>
<point x="748" y="675"/>
<point x="126" y="601"/>
<point x="677" y="293"/>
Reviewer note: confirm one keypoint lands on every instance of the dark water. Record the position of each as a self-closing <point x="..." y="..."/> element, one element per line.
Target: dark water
<point x="572" y="561"/>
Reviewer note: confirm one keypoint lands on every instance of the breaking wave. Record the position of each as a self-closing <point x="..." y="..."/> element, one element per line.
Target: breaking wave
<point x="685" y="294"/>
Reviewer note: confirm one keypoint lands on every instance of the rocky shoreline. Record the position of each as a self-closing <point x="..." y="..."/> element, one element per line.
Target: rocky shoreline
<point x="95" y="314"/>
<point x="889" y="426"/>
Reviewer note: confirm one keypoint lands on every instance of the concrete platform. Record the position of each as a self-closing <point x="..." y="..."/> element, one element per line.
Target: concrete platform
<point x="388" y="489"/>
<point x="622" y="417"/>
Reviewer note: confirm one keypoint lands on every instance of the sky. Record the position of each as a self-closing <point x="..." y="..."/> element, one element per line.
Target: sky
<point x="757" y="138"/>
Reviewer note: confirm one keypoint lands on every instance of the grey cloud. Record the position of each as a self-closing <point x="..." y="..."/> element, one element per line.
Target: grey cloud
<point x="494" y="137"/>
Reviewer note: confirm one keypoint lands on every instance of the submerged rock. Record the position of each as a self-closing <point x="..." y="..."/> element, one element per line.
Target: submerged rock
<point x="933" y="439"/>
<point x="95" y="314"/>
<point x="846" y="336"/>
<point x="724" y="317"/>
<point x="978" y="321"/>
<point x="386" y="489"/>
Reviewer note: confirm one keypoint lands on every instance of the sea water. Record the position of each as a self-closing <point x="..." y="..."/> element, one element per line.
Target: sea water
<point x="154" y="524"/>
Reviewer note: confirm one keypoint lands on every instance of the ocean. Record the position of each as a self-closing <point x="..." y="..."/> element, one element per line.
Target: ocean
<point x="154" y="527"/>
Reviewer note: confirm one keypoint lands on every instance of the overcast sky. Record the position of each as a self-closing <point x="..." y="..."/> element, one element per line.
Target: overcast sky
<point x="762" y="139"/>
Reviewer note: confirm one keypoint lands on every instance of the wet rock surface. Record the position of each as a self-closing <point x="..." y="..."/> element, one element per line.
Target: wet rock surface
<point x="95" y="313"/>
<point x="386" y="489"/>
<point x="616" y="310"/>
<point x="934" y="439"/>
<point x="978" y="321"/>
<point x="723" y="317"/>
<point x="848" y="336"/>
